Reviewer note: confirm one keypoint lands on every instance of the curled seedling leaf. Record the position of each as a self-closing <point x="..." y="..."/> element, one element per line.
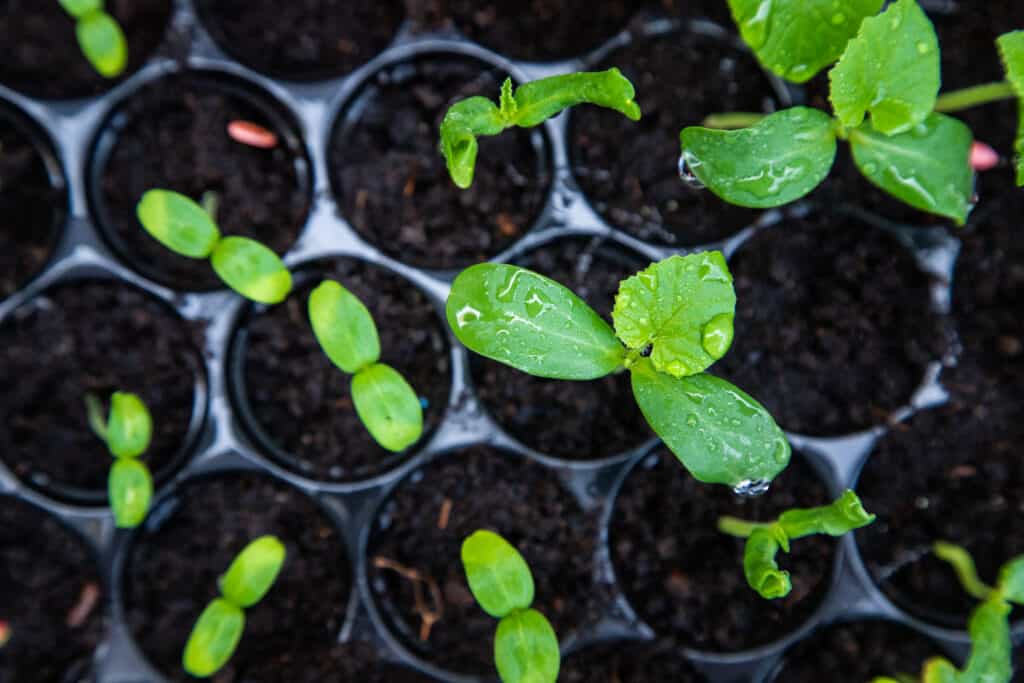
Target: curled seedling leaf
<point x="127" y="432"/>
<point x="1011" y="49"/>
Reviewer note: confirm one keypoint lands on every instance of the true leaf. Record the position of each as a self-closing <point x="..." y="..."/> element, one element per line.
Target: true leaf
<point x="759" y="567"/>
<point x="343" y="327"/>
<point x="989" y="630"/>
<point x="130" y="426"/>
<point x="927" y="167"/>
<point x="213" y="639"/>
<point x="1011" y="49"/>
<point x="796" y="39"/>
<point x="526" y="649"/>
<point x="252" y="270"/>
<point x="1011" y="580"/>
<point x="719" y="433"/>
<point x="683" y="307"/>
<point x="130" y="489"/>
<point x="388" y="406"/>
<point x="843" y="515"/>
<point x="530" y="322"/>
<point x="891" y="69"/>
<point x="776" y="161"/>
<point x="253" y="571"/>
<point x="178" y="223"/>
<point x="102" y="43"/>
<point x="498" y="576"/>
<point x="80" y="8"/>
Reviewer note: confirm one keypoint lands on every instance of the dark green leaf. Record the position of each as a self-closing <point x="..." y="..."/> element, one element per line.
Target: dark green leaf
<point x="130" y="427"/>
<point x="1011" y="49"/>
<point x="526" y="649"/>
<point x="102" y="43"/>
<point x="534" y="324"/>
<point x="253" y="571"/>
<point x="1011" y="580"/>
<point x="214" y="638"/>
<point x="344" y="327"/>
<point x="80" y="8"/>
<point x="774" y="162"/>
<point x="252" y="270"/>
<point x="683" y="307"/>
<point x="178" y="223"/>
<point x="927" y="167"/>
<point x="388" y="406"/>
<point x="498" y="575"/>
<point x="759" y="566"/>
<point x="843" y="515"/>
<point x="130" y="488"/>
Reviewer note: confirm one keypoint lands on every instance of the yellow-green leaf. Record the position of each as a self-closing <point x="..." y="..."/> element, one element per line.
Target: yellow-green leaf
<point x="344" y="327"/>
<point x="130" y="427"/>
<point x="178" y="223"/>
<point x="80" y="8"/>
<point x="252" y="270"/>
<point x="526" y="649"/>
<point x="1011" y="49"/>
<point x="214" y="638"/>
<point x="253" y="571"/>
<point x="498" y="576"/>
<point x="388" y="406"/>
<point x="130" y="488"/>
<point x="103" y="43"/>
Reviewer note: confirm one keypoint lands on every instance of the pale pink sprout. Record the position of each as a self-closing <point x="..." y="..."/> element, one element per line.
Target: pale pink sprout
<point x="252" y="134"/>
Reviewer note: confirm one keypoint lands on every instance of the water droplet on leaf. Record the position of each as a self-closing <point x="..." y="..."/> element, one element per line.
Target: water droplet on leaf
<point x="716" y="335"/>
<point x="838" y="18"/>
<point x="922" y="48"/>
<point x="751" y="488"/>
<point x="686" y="175"/>
<point x="755" y="29"/>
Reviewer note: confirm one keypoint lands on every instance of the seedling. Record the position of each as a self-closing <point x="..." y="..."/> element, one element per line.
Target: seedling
<point x="127" y="433"/>
<point x="99" y="36"/>
<point x="252" y="134"/>
<point x="885" y="97"/>
<point x="525" y="644"/>
<point x="764" y="540"/>
<point x="530" y="105"/>
<point x="219" y="628"/>
<point x="184" y="227"/>
<point x="384" y="401"/>
<point x="673" y="320"/>
<point x="989" y="627"/>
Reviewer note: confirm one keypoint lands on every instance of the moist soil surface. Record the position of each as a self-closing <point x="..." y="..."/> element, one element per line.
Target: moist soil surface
<point x="834" y="327"/>
<point x="856" y="652"/>
<point x="31" y="207"/>
<point x="302" y="39"/>
<point x="303" y="402"/>
<point x="172" y="134"/>
<point x="48" y="580"/>
<point x="685" y="578"/>
<point x="422" y="528"/>
<point x="40" y="56"/>
<point x="392" y="182"/>
<point x="574" y="420"/>
<point x="190" y="539"/>
<point x="96" y="337"/>
<point x="629" y="170"/>
<point x="628" y="663"/>
<point x="352" y="662"/>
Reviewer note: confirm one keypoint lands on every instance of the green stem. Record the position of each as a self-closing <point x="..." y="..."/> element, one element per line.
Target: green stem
<point x="733" y="120"/>
<point x="963" y="565"/>
<point x="97" y="420"/>
<point x="959" y="100"/>
<point x="740" y="528"/>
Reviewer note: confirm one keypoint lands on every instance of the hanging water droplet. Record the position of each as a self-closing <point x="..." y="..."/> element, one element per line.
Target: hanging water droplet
<point x="755" y="29"/>
<point x="751" y="488"/>
<point x="922" y="48"/>
<point x="716" y="335"/>
<point x="686" y="175"/>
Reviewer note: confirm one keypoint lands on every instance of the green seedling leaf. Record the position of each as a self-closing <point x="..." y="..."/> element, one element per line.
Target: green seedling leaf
<point x="796" y="39"/>
<point x="927" y="167"/>
<point x="891" y="69"/>
<point x="1011" y="49"/>
<point x="774" y="162"/>
<point x="252" y="270"/>
<point x="526" y="649"/>
<point x="214" y="638"/>
<point x="842" y="516"/>
<point x="525" y="320"/>
<point x="253" y="572"/>
<point x="130" y="488"/>
<point x="498" y="576"/>
<point x="102" y="43"/>
<point x="80" y="8"/>
<point x="130" y="427"/>
<point x="759" y="566"/>
<point x="1011" y="580"/>
<point x="344" y="327"/>
<point x="531" y="104"/>
<point x="683" y="308"/>
<point x="936" y="670"/>
<point x="989" y="629"/>
<point x="719" y="433"/>
<point x="388" y="406"/>
<point x="963" y="564"/>
<point x="178" y="223"/>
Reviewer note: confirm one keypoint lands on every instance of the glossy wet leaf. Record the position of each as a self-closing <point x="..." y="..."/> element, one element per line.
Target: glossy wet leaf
<point x="80" y="8"/>
<point x="103" y="43"/>
<point x="130" y="489"/>
<point x="214" y="638"/>
<point x="252" y="270"/>
<point x="891" y="69"/>
<point x="388" y="406"/>
<point x="1011" y="580"/>
<point x="759" y="567"/>
<point x="842" y="516"/>
<point x="1011" y="49"/>
<point x="927" y="167"/>
<point x="253" y="571"/>
<point x="719" y="433"/>
<point x="343" y="326"/>
<point x="130" y="426"/>
<point x="178" y="223"/>
<point x="683" y="307"/>
<point x="774" y="162"/>
<point x="534" y="324"/>
<point x="796" y="39"/>
<point x="498" y="576"/>
<point x="526" y="649"/>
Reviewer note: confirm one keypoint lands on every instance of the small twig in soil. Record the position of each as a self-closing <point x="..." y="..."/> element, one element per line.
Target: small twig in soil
<point x="252" y="134"/>
<point x="445" y="514"/>
<point x="5" y="632"/>
<point x="428" y="616"/>
<point x="87" y="601"/>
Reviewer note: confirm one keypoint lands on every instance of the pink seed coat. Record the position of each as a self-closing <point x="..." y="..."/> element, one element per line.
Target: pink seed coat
<point x="249" y="133"/>
<point x="983" y="157"/>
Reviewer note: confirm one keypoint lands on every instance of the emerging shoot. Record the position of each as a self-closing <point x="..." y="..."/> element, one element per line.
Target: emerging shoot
<point x="5" y="633"/>
<point x="525" y="645"/>
<point x="127" y="433"/>
<point x="99" y="36"/>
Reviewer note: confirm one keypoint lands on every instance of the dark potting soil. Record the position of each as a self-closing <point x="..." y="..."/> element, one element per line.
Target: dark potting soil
<point x="626" y="662"/>
<point x="834" y="327"/>
<point x="685" y="578"/>
<point x="302" y="401"/>
<point x="50" y="597"/>
<point x="31" y="207"/>
<point x="392" y="181"/>
<point x="629" y="171"/>
<point x="575" y="420"/>
<point x="857" y="652"/>
<point x="422" y="528"/>
<point x="303" y="39"/>
<point x="173" y="565"/>
<point x="97" y="336"/>
<point x="172" y="134"/>
<point x="352" y="662"/>
<point x="40" y="56"/>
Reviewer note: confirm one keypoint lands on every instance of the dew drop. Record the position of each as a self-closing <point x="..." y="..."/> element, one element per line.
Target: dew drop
<point x="781" y="454"/>
<point x="687" y="176"/>
<point x="716" y="335"/>
<point x="870" y="168"/>
<point x="922" y="48"/>
<point x="751" y="488"/>
<point x="755" y="29"/>
<point x="895" y="22"/>
<point x="838" y="18"/>
<point x="691" y="420"/>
